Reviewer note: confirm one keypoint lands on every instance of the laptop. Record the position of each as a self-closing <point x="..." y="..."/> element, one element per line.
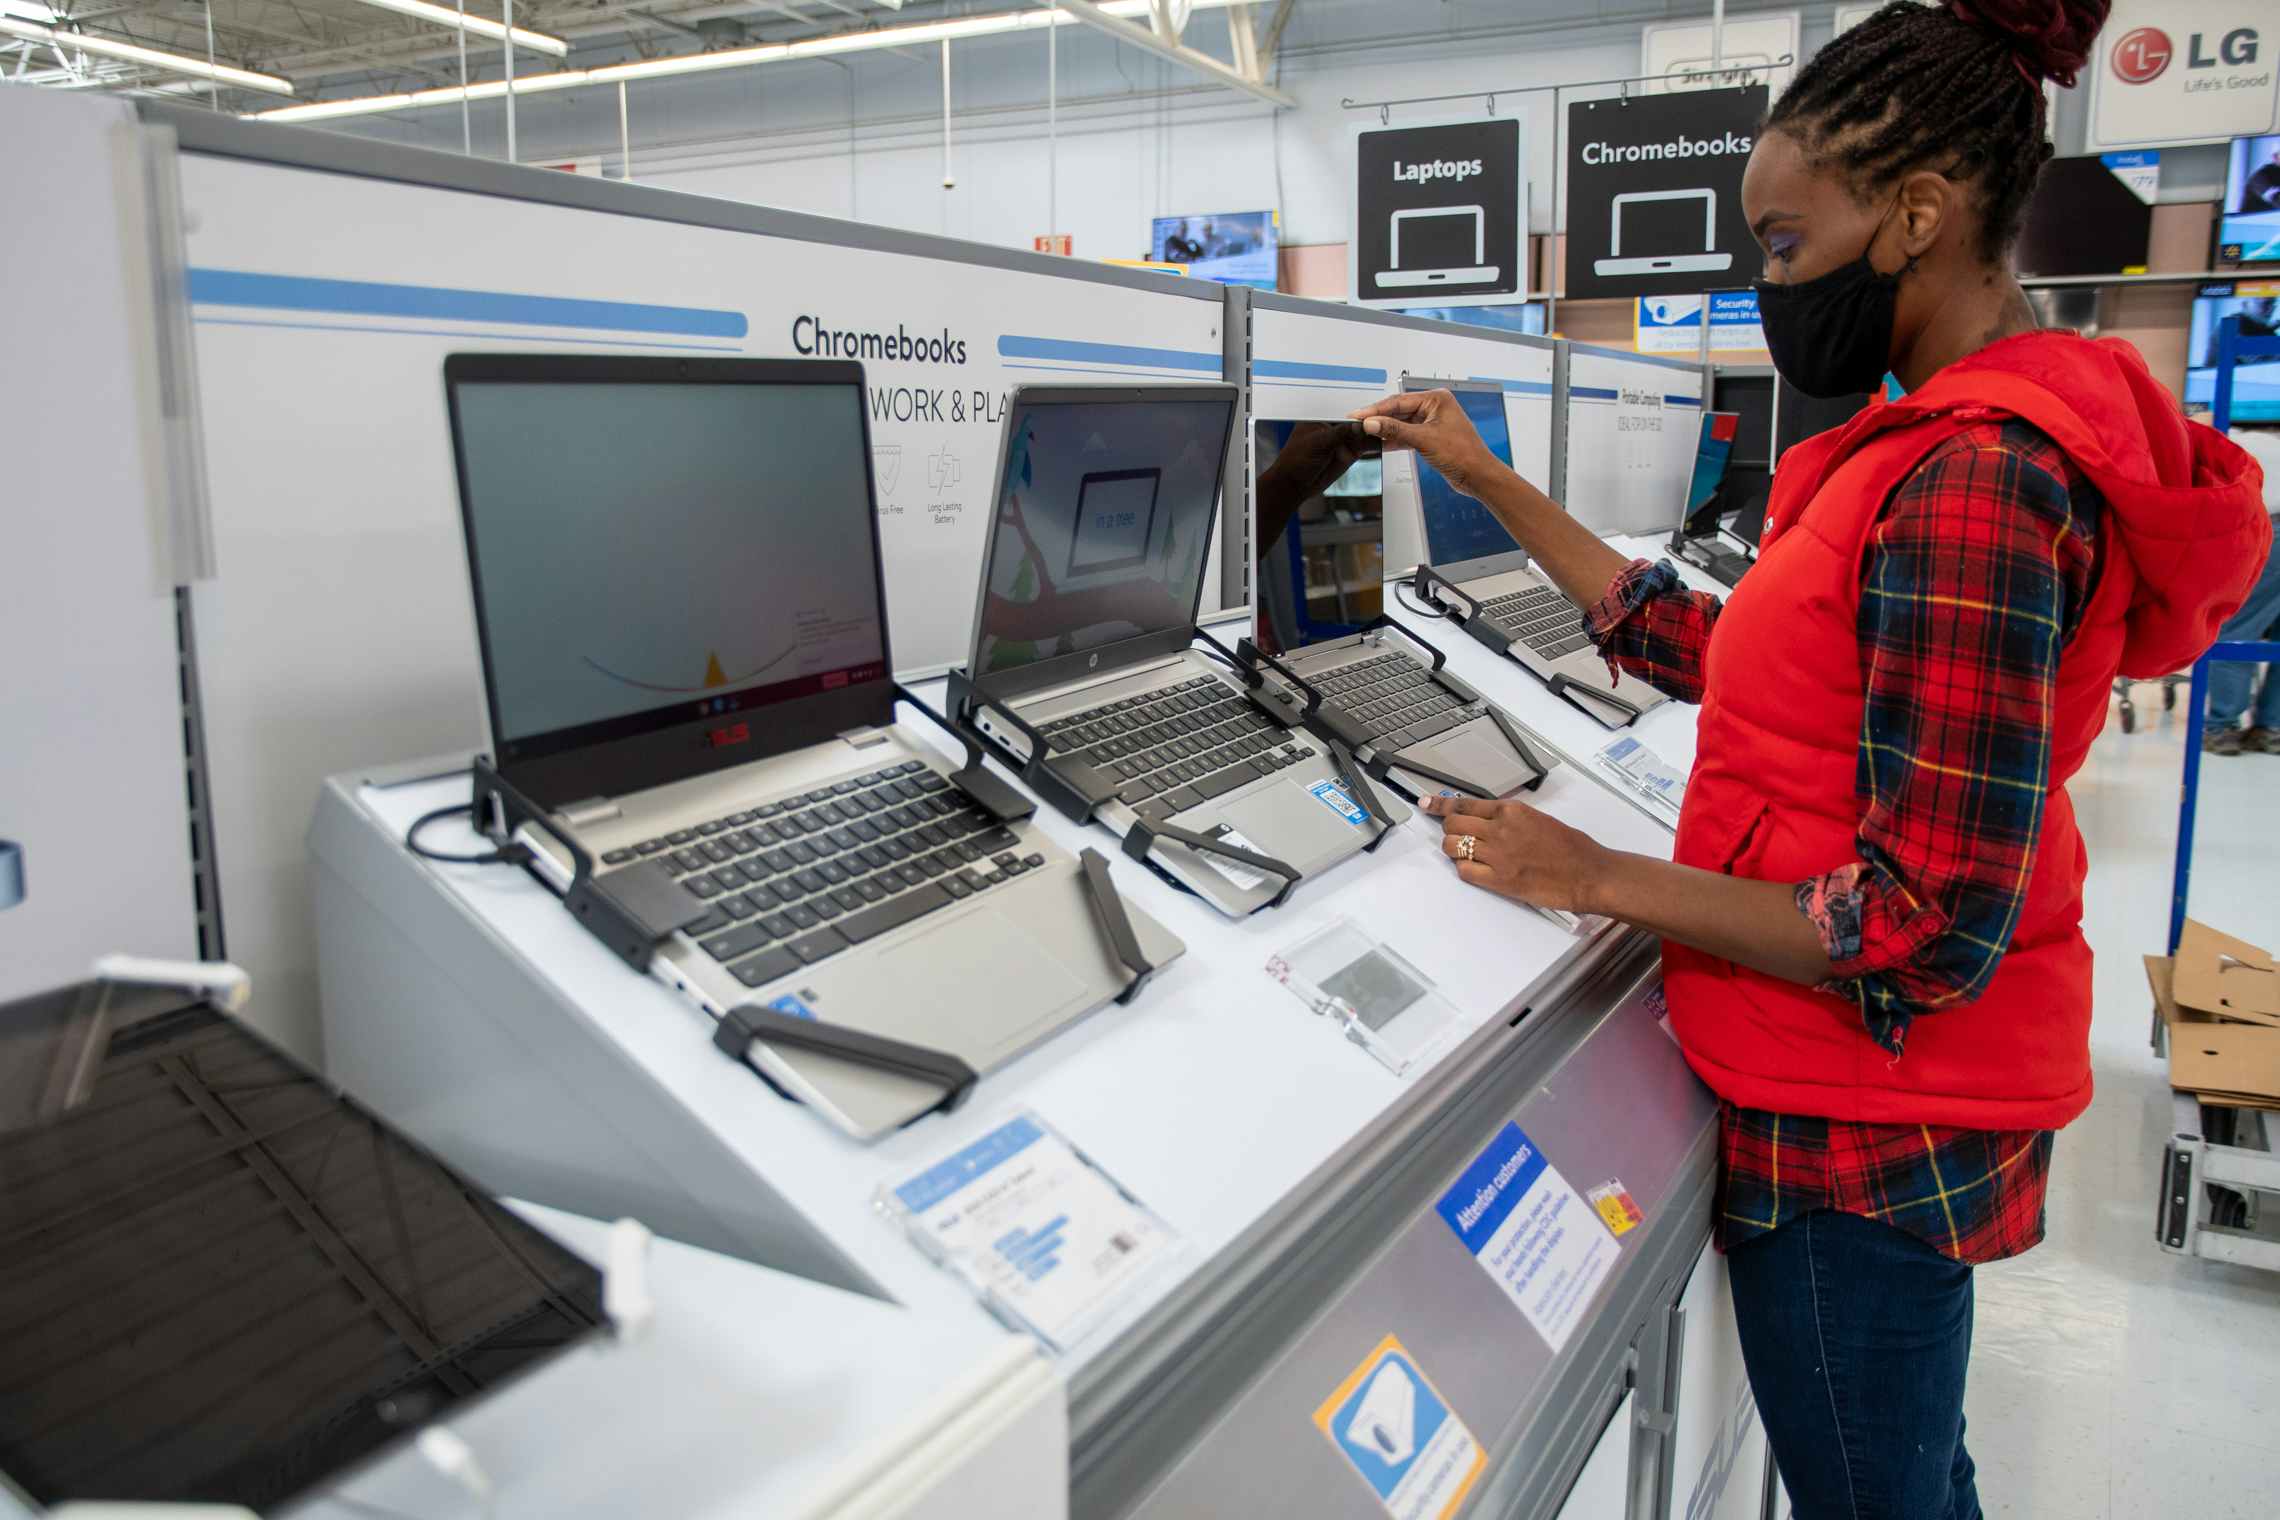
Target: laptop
<point x="1321" y="534"/>
<point x="1466" y="547"/>
<point x="1667" y="222"/>
<point x="681" y="610"/>
<point x="1715" y="489"/>
<point x="1437" y="237"/>
<point x="227" y="1282"/>
<point x="1084" y="645"/>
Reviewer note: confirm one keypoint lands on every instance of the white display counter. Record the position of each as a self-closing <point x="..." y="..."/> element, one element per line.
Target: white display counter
<point x="1299" y="1176"/>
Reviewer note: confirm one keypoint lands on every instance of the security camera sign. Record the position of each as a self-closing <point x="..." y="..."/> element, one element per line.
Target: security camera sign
<point x="1400" y="1436"/>
<point x="1440" y="214"/>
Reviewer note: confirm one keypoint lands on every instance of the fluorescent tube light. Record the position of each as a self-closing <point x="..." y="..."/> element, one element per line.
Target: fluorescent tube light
<point x="479" y="26"/>
<point x="26" y="10"/>
<point x="128" y="52"/>
<point x="996" y="23"/>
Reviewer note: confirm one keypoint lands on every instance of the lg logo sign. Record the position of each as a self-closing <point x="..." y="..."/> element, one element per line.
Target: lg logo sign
<point x="2140" y="57"/>
<point x="2143" y="55"/>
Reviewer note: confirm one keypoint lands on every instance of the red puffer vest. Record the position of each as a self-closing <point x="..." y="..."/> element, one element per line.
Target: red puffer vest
<point x="1772" y="796"/>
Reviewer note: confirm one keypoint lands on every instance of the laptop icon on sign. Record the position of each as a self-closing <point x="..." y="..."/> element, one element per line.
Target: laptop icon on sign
<point x="1666" y="230"/>
<point x="1436" y="248"/>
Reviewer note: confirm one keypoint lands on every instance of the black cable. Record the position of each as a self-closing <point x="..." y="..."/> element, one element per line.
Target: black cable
<point x="1433" y="611"/>
<point x="509" y="854"/>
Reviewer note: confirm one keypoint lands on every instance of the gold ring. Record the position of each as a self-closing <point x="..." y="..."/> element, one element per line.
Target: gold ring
<point x="1466" y="844"/>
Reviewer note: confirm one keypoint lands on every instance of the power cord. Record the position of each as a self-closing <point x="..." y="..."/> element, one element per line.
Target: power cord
<point x="508" y="854"/>
<point x="1430" y="610"/>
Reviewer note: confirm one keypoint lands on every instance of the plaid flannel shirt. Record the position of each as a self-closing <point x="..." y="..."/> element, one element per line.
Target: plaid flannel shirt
<point x="1977" y="573"/>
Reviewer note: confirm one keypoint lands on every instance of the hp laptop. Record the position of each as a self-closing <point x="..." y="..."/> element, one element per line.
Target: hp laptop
<point x="1469" y="550"/>
<point x="1084" y="668"/>
<point x="1437" y="237"/>
<point x="1668" y="224"/>
<point x="683" y="626"/>
<point x="1321" y="534"/>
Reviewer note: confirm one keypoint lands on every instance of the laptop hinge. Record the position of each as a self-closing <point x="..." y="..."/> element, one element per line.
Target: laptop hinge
<point x="591" y="811"/>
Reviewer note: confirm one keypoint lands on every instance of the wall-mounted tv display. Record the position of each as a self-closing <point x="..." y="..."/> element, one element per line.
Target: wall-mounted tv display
<point x="1232" y="247"/>
<point x="2083" y="220"/>
<point x="2256" y="387"/>
<point x="2248" y="222"/>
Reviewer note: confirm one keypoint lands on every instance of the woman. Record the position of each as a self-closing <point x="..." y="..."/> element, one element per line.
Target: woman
<point x="1872" y="944"/>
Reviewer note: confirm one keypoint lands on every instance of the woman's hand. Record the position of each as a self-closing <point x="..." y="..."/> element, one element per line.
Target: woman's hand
<point x="1513" y="850"/>
<point x="1432" y="423"/>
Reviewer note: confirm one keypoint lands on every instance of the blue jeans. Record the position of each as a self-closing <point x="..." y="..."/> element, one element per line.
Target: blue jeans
<point x="1856" y="1336"/>
<point x="2229" y="680"/>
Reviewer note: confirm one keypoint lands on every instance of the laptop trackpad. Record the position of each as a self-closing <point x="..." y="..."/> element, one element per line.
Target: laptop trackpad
<point x="1487" y="763"/>
<point x="1286" y="811"/>
<point x="972" y="984"/>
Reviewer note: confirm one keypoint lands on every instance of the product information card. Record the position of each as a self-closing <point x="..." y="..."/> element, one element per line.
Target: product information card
<point x="1532" y="1233"/>
<point x="1047" y="1239"/>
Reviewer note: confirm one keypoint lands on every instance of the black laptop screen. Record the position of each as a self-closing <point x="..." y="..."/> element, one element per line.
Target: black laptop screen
<point x="645" y="554"/>
<point x="1104" y="521"/>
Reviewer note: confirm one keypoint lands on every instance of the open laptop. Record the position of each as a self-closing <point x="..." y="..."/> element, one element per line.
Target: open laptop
<point x="228" y="1283"/>
<point x="1084" y="641"/>
<point x="1437" y="238"/>
<point x="1715" y="489"/>
<point x="683" y="625"/>
<point x="1467" y="548"/>
<point x="1321" y="532"/>
<point x="1662" y="221"/>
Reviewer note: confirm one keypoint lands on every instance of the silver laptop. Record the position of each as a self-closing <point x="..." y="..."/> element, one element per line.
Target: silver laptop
<point x="1084" y="654"/>
<point x="1469" y="549"/>
<point x="1320" y="579"/>
<point x="686" y="668"/>
<point x="1663" y="221"/>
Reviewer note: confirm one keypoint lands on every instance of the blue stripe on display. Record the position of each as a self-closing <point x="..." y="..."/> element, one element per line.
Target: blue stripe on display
<point x="1012" y="346"/>
<point x="645" y="344"/>
<point x="1682" y="400"/>
<point x="370" y="298"/>
<point x="1591" y="393"/>
<point x="1291" y="369"/>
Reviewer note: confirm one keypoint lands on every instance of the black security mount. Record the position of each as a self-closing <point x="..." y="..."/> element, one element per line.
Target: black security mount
<point x="1467" y="613"/>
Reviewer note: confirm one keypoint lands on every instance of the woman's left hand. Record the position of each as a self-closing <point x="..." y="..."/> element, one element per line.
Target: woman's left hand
<point x="1513" y="850"/>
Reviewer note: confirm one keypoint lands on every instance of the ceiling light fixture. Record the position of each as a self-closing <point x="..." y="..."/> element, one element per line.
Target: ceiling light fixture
<point x="996" y="23"/>
<point x="477" y="26"/>
<point x="128" y="52"/>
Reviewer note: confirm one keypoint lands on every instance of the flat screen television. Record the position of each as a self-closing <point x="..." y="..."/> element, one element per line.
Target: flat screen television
<point x="2256" y="387"/>
<point x="2248" y="220"/>
<point x="2083" y="220"/>
<point x="1232" y="247"/>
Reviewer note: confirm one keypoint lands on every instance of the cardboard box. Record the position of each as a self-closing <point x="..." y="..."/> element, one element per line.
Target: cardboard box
<point x="2218" y="1059"/>
<point x="2227" y="978"/>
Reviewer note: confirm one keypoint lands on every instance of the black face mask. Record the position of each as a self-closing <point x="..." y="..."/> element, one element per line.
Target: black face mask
<point x="1832" y="336"/>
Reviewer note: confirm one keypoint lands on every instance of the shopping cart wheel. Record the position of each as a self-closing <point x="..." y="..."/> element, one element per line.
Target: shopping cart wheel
<point x="2129" y="716"/>
<point x="2169" y="696"/>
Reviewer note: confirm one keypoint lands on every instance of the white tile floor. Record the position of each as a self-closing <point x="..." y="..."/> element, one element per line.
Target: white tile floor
<point x="2108" y="1378"/>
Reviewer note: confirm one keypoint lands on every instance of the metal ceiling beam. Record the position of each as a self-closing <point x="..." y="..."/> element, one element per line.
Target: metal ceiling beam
<point x="1145" y="39"/>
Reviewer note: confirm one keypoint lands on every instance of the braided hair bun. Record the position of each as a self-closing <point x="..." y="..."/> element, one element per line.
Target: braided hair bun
<point x="1955" y="88"/>
<point x="2052" y="38"/>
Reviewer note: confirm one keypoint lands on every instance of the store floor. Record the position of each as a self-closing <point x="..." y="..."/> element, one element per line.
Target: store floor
<point x="2109" y="1378"/>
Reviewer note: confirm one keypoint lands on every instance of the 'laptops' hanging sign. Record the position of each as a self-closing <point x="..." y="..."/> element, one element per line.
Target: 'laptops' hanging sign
<point x="1654" y="193"/>
<point x="1440" y="213"/>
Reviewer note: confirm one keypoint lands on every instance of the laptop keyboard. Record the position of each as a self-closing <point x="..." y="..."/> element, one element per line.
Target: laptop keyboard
<point x="797" y="881"/>
<point x="1391" y="701"/>
<point x="1541" y="618"/>
<point x="1177" y="748"/>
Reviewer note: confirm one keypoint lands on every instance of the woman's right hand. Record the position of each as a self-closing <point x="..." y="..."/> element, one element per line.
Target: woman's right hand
<point x="1433" y="424"/>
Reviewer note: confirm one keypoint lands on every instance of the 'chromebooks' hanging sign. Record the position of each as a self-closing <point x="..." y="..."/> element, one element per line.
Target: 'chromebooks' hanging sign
<point x="1440" y="213"/>
<point x="1654" y="193"/>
